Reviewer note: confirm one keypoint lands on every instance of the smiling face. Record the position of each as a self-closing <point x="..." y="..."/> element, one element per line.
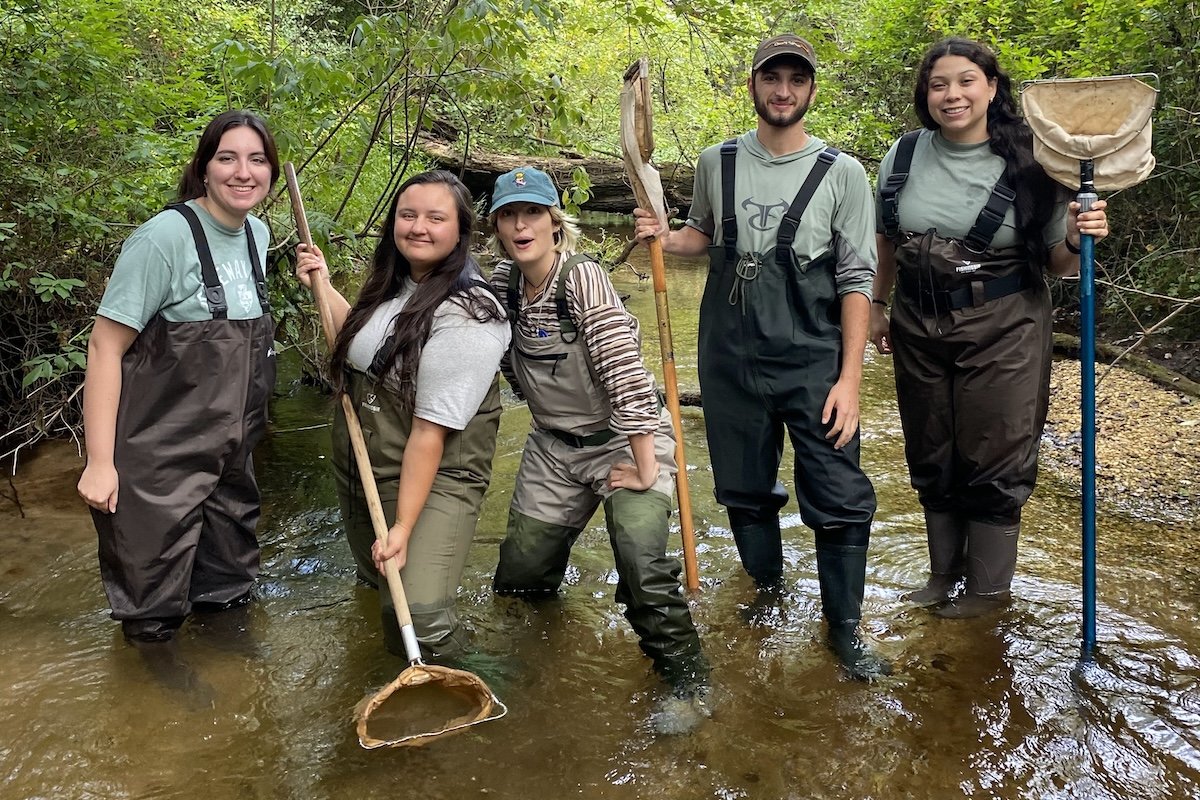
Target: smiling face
<point x="958" y="97"/>
<point x="426" y="226"/>
<point x="237" y="177"/>
<point x="783" y="90"/>
<point x="526" y="231"/>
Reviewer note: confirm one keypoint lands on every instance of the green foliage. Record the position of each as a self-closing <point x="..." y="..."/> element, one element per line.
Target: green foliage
<point x="105" y="100"/>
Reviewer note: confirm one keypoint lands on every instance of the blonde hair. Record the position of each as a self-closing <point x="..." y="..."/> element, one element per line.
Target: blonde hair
<point x="566" y="238"/>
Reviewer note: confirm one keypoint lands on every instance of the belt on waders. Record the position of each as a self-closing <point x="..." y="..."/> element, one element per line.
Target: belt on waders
<point x="587" y="440"/>
<point x="976" y="293"/>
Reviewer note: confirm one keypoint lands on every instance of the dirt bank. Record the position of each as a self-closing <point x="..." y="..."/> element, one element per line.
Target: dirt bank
<point x="1147" y="443"/>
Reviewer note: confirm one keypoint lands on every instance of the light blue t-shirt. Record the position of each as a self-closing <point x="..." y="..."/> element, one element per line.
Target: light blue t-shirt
<point x="158" y="271"/>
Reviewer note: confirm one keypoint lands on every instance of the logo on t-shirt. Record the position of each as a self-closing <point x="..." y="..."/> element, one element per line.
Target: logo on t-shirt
<point x="761" y="219"/>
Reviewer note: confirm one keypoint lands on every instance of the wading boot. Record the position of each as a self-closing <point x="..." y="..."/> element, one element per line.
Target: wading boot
<point x="760" y="546"/>
<point x="687" y="705"/>
<point x="991" y="562"/>
<point x="841" y="571"/>
<point x="946" y="535"/>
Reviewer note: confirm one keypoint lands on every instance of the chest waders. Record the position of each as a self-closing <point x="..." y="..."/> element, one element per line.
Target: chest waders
<point x="563" y="479"/>
<point x="972" y="337"/>
<point x="441" y="539"/>
<point x="770" y="350"/>
<point x="193" y="406"/>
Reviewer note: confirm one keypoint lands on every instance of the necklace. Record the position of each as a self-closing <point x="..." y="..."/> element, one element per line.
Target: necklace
<point x="533" y="290"/>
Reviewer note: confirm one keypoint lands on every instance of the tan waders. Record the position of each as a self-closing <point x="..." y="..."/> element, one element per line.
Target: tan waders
<point x="562" y="480"/>
<point x="441" y="539"/>
<point x="193" y="406"/>
<point x="770" y="350"/>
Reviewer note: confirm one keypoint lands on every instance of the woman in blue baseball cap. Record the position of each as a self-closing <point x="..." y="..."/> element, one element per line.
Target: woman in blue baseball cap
<point x="600" y="434"/>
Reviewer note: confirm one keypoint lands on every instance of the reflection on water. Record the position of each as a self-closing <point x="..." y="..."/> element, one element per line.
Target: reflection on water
<point x="261" y="705"/>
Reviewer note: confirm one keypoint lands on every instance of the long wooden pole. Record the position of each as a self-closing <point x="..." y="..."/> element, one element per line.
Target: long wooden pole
<point x="637" y="140"/>
<point x="357" y="442"/>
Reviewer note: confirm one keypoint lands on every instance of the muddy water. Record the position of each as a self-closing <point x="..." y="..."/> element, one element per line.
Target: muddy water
<point x="260" y="704"/>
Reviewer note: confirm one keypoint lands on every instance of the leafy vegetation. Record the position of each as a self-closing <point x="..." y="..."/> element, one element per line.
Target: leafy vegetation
<point x="107" y="97"/>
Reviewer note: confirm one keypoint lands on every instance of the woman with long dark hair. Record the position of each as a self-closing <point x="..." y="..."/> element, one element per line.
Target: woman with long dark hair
<point x="180" y="368"/>
<point x="419" y="353"/>
<point x="968" y="226"/>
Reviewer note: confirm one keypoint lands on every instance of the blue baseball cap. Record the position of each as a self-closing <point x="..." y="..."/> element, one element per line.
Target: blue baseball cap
<point x="524" y="185"/>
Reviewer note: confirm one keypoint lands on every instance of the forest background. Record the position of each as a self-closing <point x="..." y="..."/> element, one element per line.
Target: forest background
<point x="105" y="100"/>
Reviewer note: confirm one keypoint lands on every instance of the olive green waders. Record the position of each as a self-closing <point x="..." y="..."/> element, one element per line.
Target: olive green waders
<point x="441" y="538"/>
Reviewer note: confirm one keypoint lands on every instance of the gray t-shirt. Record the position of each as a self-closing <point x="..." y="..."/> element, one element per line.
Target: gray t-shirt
<point x="948" y="184"/>
<point x="158" y="271"/>
<point x="839" y="217"/>
<point x="458" y="362"/>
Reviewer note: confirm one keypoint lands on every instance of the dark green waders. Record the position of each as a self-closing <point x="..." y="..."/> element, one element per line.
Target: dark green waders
<point x="770" y="350"/>
<point x="441" y="539"/>
<point x="193" y="406"/>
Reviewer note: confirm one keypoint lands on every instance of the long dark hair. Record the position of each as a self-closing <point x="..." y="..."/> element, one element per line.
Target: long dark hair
<point x="1038" y="196"/>
<point x="191" y="185"/>
<point x="453" y="279"/>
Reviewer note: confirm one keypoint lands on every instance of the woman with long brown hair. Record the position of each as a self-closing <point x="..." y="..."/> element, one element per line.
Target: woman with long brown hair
<point x="418" y="353"/>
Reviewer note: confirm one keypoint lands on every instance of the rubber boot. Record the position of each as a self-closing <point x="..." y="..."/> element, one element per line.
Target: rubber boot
<point x="946" y="535"/>
<point x="841" y="571"/>
<point x="760" y="546"/>
<point x="991" y="562"/>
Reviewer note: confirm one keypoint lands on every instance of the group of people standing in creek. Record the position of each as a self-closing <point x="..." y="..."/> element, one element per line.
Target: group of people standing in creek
<point x="804" y="263"/>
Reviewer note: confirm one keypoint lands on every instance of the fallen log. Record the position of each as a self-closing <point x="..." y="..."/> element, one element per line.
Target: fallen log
<point x="610" y="190"/>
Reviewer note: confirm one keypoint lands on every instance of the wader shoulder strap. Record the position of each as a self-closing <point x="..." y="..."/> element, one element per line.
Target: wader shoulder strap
<point x="512" y="293"/>
<point x="990" y="218"/>
<point x="791" y="220"/>
<point x="260" y="280"/>
<point x="888" y="194"/>
<point x="565" y="323"/>
<point x="214" y="293"/>
<point x="728" y="207"/>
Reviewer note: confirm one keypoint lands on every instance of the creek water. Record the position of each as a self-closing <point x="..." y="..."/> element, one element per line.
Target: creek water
<point x="259" y="703"/>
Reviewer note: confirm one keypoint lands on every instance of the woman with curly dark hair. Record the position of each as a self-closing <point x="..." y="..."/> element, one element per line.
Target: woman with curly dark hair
<point x="968" y="226"/>
<point x="419" y="353"/>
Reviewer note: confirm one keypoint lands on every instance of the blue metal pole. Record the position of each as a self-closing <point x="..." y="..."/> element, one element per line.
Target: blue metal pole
<point x="1087" y="366"/>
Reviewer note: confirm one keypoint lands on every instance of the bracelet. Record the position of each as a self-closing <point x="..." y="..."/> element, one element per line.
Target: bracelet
<point x="1072" y="249"/>
<point x="879" y="302"/>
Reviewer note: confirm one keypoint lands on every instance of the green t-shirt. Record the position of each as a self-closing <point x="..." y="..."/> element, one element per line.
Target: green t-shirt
<point x="158" y="271"/>
<point x="948" y="184"/>
<point x="839" y="217"/>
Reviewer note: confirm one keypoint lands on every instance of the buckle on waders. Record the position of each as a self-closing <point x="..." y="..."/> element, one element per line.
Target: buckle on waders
<point x="746" y="270"/>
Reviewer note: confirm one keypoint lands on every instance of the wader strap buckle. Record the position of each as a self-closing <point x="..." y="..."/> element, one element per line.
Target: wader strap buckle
<point x="587" y="440"/>
<point x="990" y="218"/>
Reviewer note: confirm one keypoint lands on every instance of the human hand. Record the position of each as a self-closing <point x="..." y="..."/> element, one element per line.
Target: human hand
<point x="646" y="226"/>
<point x="627" y="476"/>
<point x="396" y="548"/>
<point x="1093" y="222"/>
<point x="841" y="406"/>
<point x="98" y="486"/>
<point x="308" y="261"/>
<point x="880" y="330"/>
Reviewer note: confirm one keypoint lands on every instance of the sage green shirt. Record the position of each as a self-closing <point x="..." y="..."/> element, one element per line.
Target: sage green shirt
<point x="158" y="271"/>
<point x="948" y="184"/>
<point x="838" y="219"/>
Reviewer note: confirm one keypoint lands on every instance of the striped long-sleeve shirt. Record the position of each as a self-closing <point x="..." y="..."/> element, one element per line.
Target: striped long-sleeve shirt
<point x="610" y="333"/>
